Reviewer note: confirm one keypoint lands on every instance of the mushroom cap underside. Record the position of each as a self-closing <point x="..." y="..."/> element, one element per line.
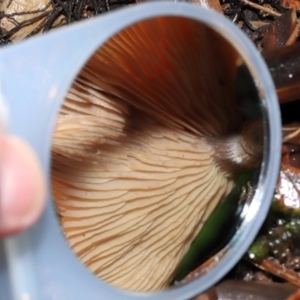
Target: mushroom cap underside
<point x="134" y="176"/>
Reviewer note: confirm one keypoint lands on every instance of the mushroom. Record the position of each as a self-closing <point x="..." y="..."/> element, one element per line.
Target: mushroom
<point x="146" y="146"/>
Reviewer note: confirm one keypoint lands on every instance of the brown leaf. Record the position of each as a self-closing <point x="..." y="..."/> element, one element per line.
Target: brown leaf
<point x="236" y="290"/>
<point x="295" y="296"/>
<point x="278" y="32"/>
<point x="208" y="295"/>
<point x="284" y="68"/>
<point x="290" y="4"/>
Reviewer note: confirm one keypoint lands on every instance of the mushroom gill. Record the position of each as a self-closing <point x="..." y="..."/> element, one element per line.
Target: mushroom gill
<point x="135" y="170"/>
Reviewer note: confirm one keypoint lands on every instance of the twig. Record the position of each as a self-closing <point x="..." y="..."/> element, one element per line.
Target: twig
<point x="39" y="27"/>
<point x="204" y="268"/>
<point x="278" y="270"/>
<point x="78" y="12"/>
<point x="52" y="19"/>
<point x="294" y="35"/>
<point x="248" y="24"/>
<point x="262" y="8"/>
<point x="291" y="135"/>
<point x="107" y="5"/>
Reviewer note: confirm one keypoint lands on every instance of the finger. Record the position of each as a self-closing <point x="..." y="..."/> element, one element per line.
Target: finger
<point x="22" y="185"/>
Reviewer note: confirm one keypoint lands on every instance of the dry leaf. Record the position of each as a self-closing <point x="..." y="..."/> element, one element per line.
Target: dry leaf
<point x="21" y="6"/>
<point x="20" y="11"/>
<point x="287" y="194"/>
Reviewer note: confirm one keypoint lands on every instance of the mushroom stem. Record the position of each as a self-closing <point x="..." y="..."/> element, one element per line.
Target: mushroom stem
<point x="240" y="152"/>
